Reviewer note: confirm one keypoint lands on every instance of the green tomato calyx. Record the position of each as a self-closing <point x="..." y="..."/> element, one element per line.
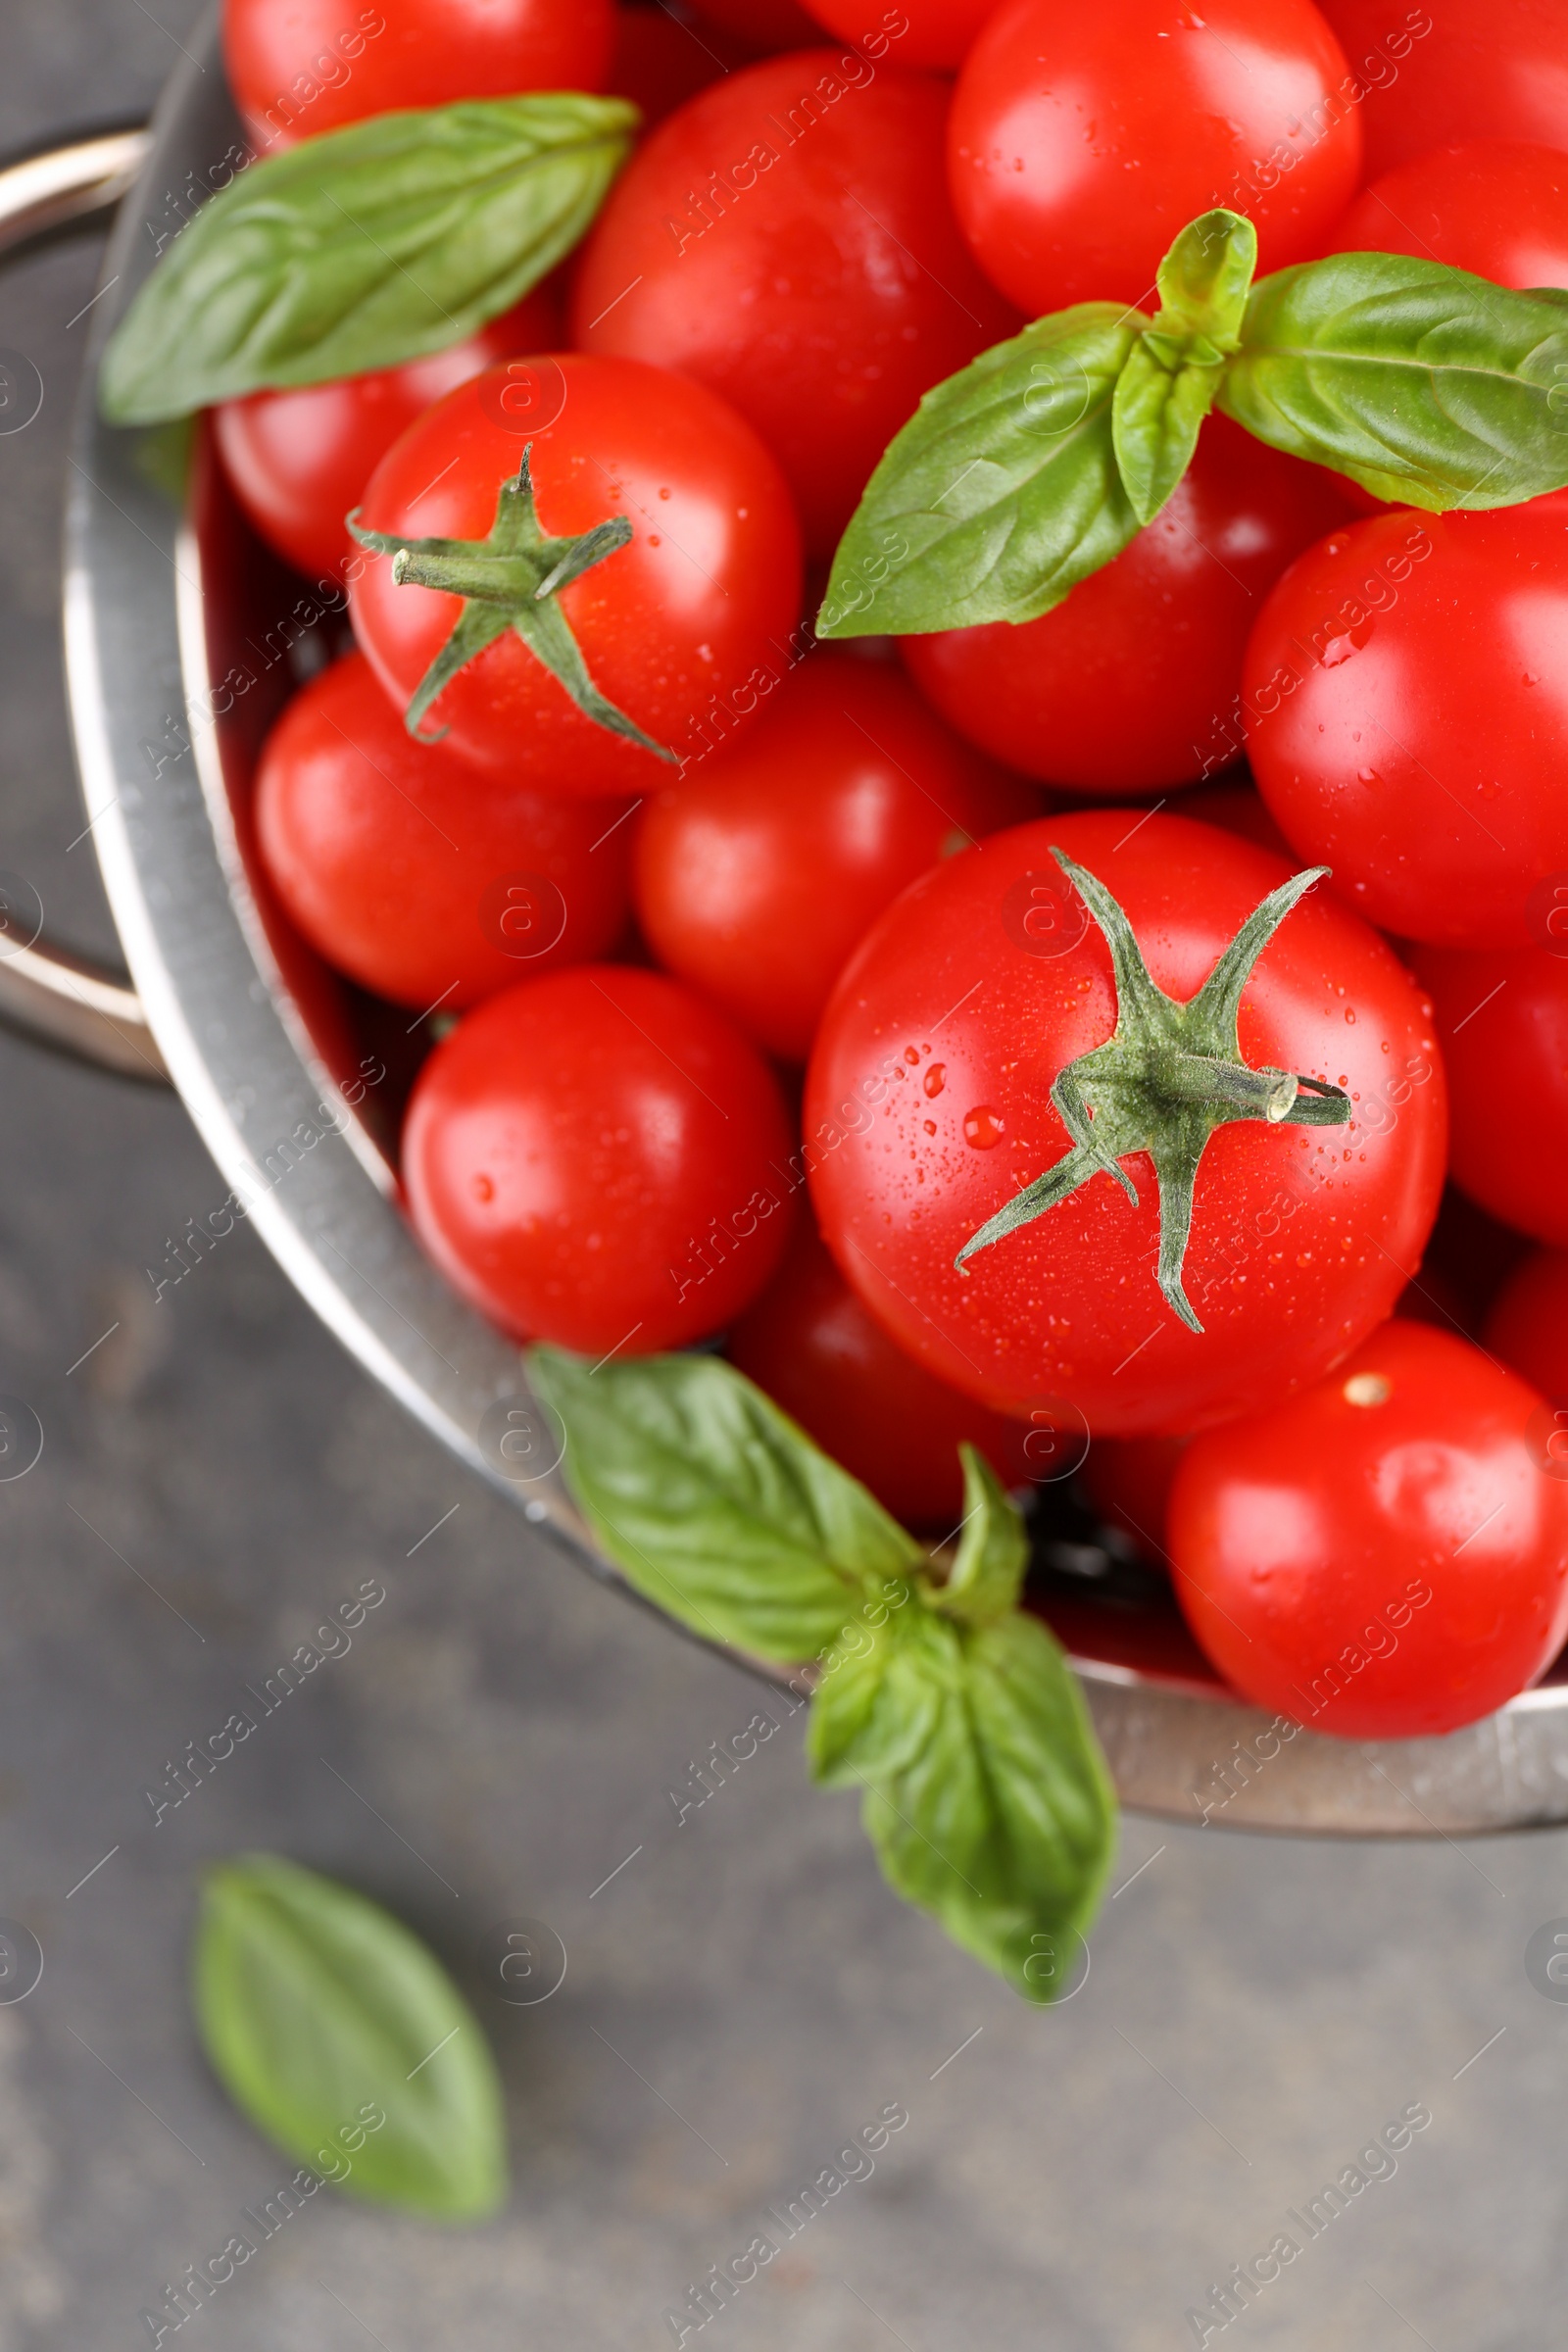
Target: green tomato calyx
<point x="1164" y="1079"/>
<point x="511" y="580"/>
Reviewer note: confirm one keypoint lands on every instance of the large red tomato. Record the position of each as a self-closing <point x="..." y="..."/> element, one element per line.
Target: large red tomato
<point x="760" y="873"/>
<point x="697" y="605"/>
<point x="1461" y="70"/>
<point x="1496" y="207"/>
<point x="300" y="66"/>
<point x="1083" y="140"/>
<point x="299" y="460"/>
<point x="928" y="1108"/>
<point x="422" y="880"/>
<point x="786" y="239"/>
<point x="1503" y="1024"/>
<point x="925" y="32"/>
<point x="1408" y="692"/>
<point x="811" y="1344"/>
<point x="593" y="1158"/>
<point x="1135" y="681"/>
<point x="1383" y="1558"/>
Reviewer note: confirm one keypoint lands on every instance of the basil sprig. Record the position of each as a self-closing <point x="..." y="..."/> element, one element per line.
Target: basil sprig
<point x="984" y="1794"/>
<point x="363" y="248"/>
<point x="1033" y="466"/>
<point x="1173" y="370"/>
<point x="345" y="2042"/>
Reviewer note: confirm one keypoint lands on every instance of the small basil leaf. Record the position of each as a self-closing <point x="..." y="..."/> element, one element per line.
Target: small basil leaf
<point x="876" y="1705"/>
<point x="1002" y="1826"/>
<point x="1156" y="417"/>
<point x="992" y="1549"/>
<point x="1428" y="386"/>
<point x="319" y="2012"/>
<point x="363" y="248"/>
<point x="1173" y="373"/>
<point x="1204" y="280"/>
<point x="719" y="1508"/>
<point x="999" y="494"/>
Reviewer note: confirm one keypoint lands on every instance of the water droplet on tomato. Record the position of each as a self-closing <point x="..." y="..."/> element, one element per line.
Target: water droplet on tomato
<point x="983" y="1129"/>
<point x="483" y="1189"/>
<point x="935" y="1079"/>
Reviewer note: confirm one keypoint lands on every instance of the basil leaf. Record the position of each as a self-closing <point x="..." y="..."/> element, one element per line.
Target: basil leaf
<point x="999" y="494"/>
<point x="363" y="248"/>
<point x="1426" y="385"/>
<point x="1173" y="372"/>
<point x="1204" y="280"/>
<point x="993" y="1549"/>
<point x="876" y="1705"/>
<point x="719" y="1508"/>
<point x="321" y="2012"/>
<point x="1002" y="1825"/>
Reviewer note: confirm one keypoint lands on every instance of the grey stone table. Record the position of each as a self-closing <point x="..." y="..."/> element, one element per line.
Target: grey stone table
<point x="741" y="1995"/>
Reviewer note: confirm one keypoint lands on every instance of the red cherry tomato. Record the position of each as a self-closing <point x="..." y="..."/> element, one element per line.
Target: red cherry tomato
<point x="811" y="1344"/>
<point x="933" y="32"/>
<point x="1384" y="1556"/>
<point x="758" y="875"/>
<point x="1407" y="686"/>
<point x="300" y="66"/>
<point x="1503" y="1024"/>
<point x="422" y="880"/>
<point x="928" y="1108"/>
<point x="299" y="460"/>
<point x="1133" y="683"/>
<point x="1467" y="70"/>
<point x="1083" y="140"/>
<point x="786" y="239"/>
<point x="1498" y="208"/>
<point x="698" y="605"/>
<point x="1528" y="1328"/>
<point x="592" y="1158"/>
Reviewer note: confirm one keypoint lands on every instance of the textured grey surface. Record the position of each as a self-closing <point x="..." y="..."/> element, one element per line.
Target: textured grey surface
<point x="743" y="1995"/>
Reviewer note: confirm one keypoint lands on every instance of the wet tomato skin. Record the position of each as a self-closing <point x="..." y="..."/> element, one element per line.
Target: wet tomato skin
<point x="1503" y="1024"/>
<point x="760" y="873"/>
<point x="1082" y="141"/>
<point x="928" y="1107"/>
<point x="1498" y="208"/>
<point x="1469" y="70"/>
<point x="1384" y="1556"/>
<point x="786" y="239"/>
<point x="692" y="612"/>
<point x="420" y="879"/>
<point x="592" y="1158"/>
<point x="1406" y="686"/>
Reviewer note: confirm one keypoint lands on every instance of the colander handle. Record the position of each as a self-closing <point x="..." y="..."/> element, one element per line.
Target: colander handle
<point x="46" y="992"/>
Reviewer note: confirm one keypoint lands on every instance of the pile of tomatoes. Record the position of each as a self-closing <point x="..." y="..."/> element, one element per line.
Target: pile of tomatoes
<point x="745" y="1013"/>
